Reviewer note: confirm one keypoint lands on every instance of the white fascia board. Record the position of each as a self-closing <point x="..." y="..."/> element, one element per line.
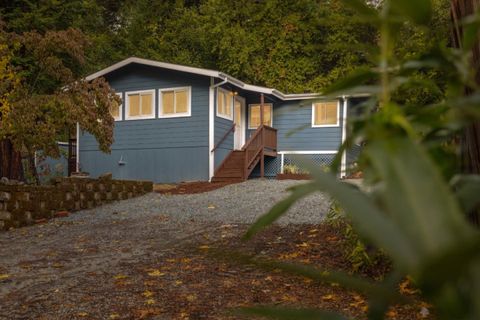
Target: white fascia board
<point x="171" y="66"/>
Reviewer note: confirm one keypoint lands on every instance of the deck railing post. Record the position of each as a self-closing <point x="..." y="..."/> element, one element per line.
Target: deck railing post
<point x="262" y="156"/>
<point x="262" y="102"/>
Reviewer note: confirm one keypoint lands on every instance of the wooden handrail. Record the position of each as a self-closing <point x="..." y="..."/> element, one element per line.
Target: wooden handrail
<point x="252" y="137"/>
<point x="232" y="129"/>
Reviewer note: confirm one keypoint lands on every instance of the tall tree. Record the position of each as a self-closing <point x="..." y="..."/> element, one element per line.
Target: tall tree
<point x="10" y="159"/>
<point x="51" y="97"/>
<point x="470" y="139"/>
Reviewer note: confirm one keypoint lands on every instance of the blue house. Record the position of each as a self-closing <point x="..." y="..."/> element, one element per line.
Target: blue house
<point x="179" y="123"/>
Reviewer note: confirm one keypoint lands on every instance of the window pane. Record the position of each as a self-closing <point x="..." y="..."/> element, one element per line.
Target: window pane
<point x="228" y="105"/>
<point x="134" y="105"/>
<point x="167" y="102"/>
<point x="219" y="102"/>
<point x="319" y="114"/>
<point x="331" y="115"/>
<point x="267" y="114"/>
<point x="181" y="98"/>
<point x="115" y="111"/>
<point x="326" y="113"/>
<point x="254" y="116"/>
<point x="147" y="104"/>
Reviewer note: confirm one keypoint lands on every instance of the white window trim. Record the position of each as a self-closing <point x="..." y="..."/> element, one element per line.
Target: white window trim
<point x="140" y="117"/>
<point x="326" y="125"/>
<point x="231" y="104"/>
<point x="175" y="115"/>
<point x="120" y="108"/>
<point x="250" y="112"/>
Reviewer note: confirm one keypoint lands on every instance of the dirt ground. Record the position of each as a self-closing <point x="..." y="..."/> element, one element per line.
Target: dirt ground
<point x="137" y="260"/>
<point x="189" y="187"/>
<point x="184" y="281"/>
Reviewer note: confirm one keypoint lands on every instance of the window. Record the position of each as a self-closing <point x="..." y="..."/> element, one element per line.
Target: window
<point x="139" y="105"/>
<point x="175" y="102"/>
<point x="224" y="104"/>
<point x="116" y="111"/>
<point x="325" y="114"/>
<point x="254" y="115"/>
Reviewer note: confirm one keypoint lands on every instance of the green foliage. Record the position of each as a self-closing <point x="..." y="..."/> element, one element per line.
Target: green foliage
<point x="47" y="97"/>
<point x="360" y="256"/>
<point x="293" y="169"/>
<point x="295" y="46"/>
<point x="414" y="207"/>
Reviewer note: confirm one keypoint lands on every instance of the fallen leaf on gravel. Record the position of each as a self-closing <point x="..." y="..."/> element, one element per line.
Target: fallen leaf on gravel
<point x="405" y="287"/>
<point x="82" y="314"/>
<point x="4" y="276"/>
<point x="156" y="273"/>
<point x="392" y="314"/>
<point x="303" y="245"/>
<point x="191" y="297"/>
<point x="205" y="247"/>
<point x="178" y="282"/>
<point x="211" y="206"/>
<point x="114" y="316"/>
<point x="147" y="294"/>
<point x="328" y="297"/>
<point x="57" y="265"/>
<point x="120" y="276"/>
<point x="150" y="301"/>
<point x="289" y="298"/>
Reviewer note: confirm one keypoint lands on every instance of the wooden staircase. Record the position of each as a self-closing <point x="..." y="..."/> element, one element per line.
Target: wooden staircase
<point x="239" y="164"/>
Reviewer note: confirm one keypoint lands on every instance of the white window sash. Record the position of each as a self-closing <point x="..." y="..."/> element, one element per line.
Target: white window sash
<point x="175" y="114"/>
<point x="142" y="116"/>
<point x="250" y="127"/>
<point x="325" y="125"/>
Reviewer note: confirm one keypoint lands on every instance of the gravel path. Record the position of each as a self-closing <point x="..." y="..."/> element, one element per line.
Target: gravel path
<point x="52" y="265"/>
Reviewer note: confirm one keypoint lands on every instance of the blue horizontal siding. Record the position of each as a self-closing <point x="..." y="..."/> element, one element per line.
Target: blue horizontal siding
<point x="160" y="149"/>
<point x="158" y="165"/>
<point x="293" y="120"/>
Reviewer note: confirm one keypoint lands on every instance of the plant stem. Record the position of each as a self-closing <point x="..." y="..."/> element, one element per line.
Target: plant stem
<point x="384" y="57"/>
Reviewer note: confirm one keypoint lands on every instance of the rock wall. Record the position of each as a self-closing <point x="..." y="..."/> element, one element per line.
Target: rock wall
<point x="22" y="205"/>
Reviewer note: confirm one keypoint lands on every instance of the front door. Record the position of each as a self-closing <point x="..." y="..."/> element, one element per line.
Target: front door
<point x="239" y="119"/>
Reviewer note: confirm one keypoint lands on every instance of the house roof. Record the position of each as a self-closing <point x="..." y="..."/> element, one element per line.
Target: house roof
<point x="204" y="72"/>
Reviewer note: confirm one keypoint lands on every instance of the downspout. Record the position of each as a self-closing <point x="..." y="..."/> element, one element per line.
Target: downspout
<point x="343" y="166"/>
<point x="77" y="156"/>
<point x="211" y="126"/>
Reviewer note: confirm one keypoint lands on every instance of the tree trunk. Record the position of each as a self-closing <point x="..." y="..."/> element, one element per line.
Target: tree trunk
<point x="33" y="167"/>
<point x="470" y="139"/>
<point x="10" y="161"/>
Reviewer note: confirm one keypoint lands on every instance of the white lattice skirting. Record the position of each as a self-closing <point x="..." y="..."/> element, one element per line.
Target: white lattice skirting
<point x="273" y="166"/>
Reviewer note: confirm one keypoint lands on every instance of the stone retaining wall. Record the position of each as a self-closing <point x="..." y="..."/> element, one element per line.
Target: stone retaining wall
<point x="22" y="205"/>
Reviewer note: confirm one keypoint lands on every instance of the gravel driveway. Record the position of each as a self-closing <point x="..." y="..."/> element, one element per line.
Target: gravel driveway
<point x="236" y="203"/>
<point x="43" y="267"/>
